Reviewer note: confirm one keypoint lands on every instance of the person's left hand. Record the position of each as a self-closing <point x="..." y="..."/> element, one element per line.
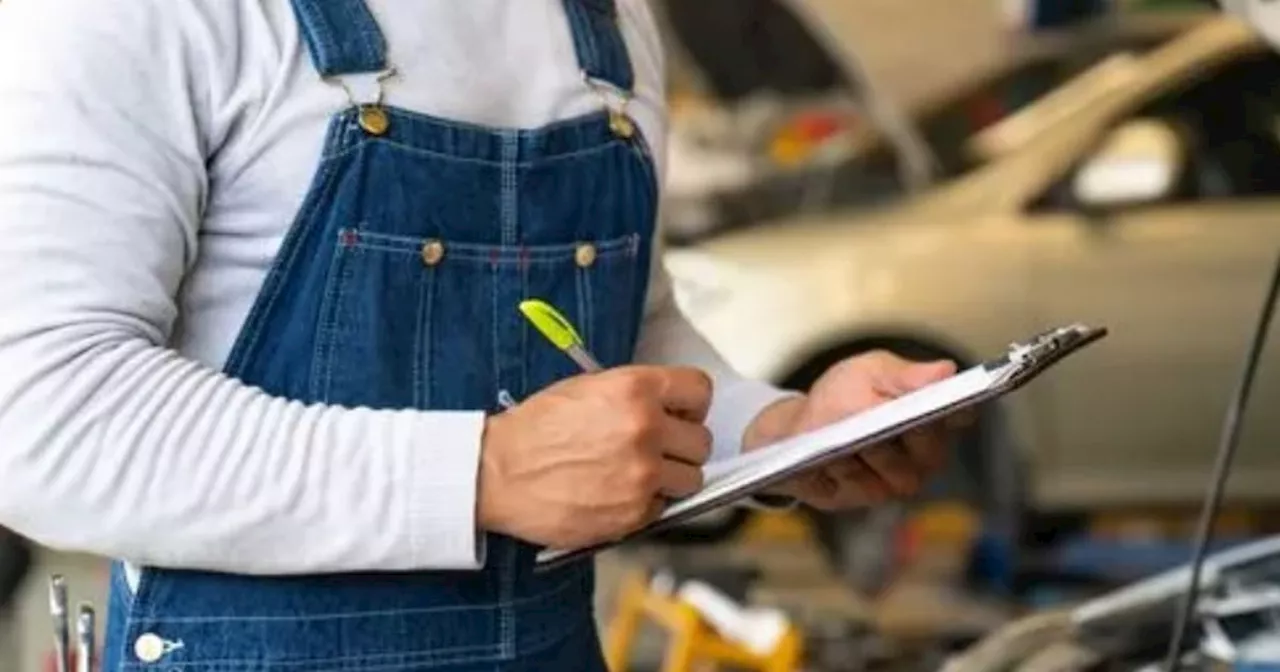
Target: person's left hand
<point x="896" y="468"/>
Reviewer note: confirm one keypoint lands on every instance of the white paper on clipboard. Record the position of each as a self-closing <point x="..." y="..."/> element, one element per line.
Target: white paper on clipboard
<point x="727" y="481"/>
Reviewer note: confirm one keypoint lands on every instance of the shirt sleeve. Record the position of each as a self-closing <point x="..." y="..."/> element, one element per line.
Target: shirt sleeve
<point x="667" y="337"/>
<point x="110" y="442"/>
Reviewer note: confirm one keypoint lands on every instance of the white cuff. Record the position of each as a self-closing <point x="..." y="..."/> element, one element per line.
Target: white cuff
<point x="735" y="403"/>
<point x="440" y="455"/>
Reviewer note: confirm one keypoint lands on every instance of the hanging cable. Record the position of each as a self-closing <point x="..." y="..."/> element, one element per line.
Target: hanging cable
<point x="1228" y="441"/>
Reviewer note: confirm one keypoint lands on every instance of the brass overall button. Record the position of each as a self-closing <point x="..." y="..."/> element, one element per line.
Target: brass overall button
<point x="621" y="125"/>
<point x="585" y="255"/>
<point x="373" y="119"/>
<point x="432" y="252"/>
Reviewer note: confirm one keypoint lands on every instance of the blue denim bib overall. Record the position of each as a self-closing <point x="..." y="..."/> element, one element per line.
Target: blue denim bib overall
<point x="397" y="287"/>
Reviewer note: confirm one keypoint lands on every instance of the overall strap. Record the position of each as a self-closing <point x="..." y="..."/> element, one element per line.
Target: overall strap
<point x="342" y="36"/>
<point x="597" y="39"/>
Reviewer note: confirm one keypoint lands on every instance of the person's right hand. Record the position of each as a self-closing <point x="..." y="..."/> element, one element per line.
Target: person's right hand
<point x="589" y="459"/>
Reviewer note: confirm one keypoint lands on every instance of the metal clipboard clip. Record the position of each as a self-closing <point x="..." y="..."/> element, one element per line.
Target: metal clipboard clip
<point x="1027" y="359"/>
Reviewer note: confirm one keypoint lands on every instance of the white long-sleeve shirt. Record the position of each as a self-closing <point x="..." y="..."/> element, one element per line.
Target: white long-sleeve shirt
<point x="153" y="154"/>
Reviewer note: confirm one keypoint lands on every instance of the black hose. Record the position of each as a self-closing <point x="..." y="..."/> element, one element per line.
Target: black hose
<point x="1229" y="439"/>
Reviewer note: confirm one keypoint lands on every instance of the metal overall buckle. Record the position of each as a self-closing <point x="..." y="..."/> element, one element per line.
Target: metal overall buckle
<point x="615" y="100"/>
<point x="371" y="116"/>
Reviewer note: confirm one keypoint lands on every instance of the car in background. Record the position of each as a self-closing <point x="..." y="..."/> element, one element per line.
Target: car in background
<point x="777" y="110"/>
<point x="1143" y="195"/>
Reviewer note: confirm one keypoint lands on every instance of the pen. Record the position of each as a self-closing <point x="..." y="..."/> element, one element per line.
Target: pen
<point x="551" y="324"/>
<point x="86" y="633"/>
<point x="61" y="628"/>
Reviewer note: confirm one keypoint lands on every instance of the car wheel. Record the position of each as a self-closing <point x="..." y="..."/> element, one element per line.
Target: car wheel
<point x="984" y="472"/>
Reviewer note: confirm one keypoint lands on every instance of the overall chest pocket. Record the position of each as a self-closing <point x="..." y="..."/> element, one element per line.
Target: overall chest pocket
<point x="430" y="323"/>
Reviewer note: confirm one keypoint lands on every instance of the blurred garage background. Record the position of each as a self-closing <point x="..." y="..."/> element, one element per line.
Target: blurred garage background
<point x="937" y="178"/>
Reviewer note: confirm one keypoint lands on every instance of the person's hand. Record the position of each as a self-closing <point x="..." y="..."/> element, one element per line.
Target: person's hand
<point x="894" y="469"/>
<point x="591" y="458"/>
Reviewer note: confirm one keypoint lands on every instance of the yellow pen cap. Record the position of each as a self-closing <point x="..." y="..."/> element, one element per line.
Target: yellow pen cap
<point x="550" y="323"/>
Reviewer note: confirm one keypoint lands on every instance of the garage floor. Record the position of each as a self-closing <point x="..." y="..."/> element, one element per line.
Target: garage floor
<point x="794" y="578"/>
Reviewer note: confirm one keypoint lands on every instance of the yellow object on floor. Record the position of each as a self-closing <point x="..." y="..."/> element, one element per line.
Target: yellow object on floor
<point x="777" y="527"/>
<point x="694" y="646"/>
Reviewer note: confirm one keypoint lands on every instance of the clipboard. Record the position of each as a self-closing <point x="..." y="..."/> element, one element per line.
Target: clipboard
<point x="727" y="481"/>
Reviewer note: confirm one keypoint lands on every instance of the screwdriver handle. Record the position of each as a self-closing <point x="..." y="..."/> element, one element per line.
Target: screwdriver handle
<point x="86" y="634"/>
<point x="61" y="626"/>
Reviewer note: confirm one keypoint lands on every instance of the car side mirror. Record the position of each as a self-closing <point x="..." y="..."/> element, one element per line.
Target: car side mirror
<point x="1138" y="163"/>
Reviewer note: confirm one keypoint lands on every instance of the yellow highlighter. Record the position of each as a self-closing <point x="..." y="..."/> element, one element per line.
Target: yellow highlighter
<point x="551" y="324"/>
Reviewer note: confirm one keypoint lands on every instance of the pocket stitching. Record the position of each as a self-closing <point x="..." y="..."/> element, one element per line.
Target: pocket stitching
<point x="494" y="253"/>
<point x="422" y="360"/>
<point x="322" y="358"/>
<point x="420" y="659"/>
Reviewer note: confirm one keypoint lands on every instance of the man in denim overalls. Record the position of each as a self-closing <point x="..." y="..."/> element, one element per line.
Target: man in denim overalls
<point x="353" y="468"/>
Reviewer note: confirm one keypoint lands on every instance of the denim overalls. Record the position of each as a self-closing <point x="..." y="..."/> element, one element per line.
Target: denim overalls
<point x="397" y="287"/>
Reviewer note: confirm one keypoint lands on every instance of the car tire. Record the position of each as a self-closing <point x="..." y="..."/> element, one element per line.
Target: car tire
<point x="985" y="473"/>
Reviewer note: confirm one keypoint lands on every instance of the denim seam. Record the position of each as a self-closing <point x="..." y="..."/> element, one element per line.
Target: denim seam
<point x="506" y="591"/>
<point x="562" y="587"/>
<point x="391" y="242"/>
<point x="314" y="33"/>
<point x="371" y="657"/>
<point x="584" y="37"/>
<point x="332" y="56"/>
<point x="334" y="135"/>
<point x="322" y="354"/>
<point x="580" y="291"/>
<point x="540" y="162"/>
<point x="366" y="29"/>
<point x="138" y="603"/>
<point x="412" y="116"/>
<point x="506" y="254"/>
<point x="345" y="145"/>
<point x="589" y="320"/>
<point x="524" y="331"/>
<point x="591" y="38"/>
<point x="633" y="319"/>
<point x="647" y="164"/>
<point x="120" y="583"/>
<point x="626" y="70"/>
<point x="488" y="260"/>
<point x="422" y="345"/>
<point x="273" y="285"/>
<point x="417" y="659"/>
<point x="323" y="40"/>
<point x="493" y="331"/>
<point x="510" y="157"/>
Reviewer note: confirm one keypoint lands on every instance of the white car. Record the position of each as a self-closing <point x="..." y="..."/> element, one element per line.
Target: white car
<point x="1143" y="196"/>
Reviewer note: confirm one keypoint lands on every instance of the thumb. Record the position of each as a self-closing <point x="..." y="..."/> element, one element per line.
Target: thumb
<point x="899" y="376"/>
<point x="927" y="373"/>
